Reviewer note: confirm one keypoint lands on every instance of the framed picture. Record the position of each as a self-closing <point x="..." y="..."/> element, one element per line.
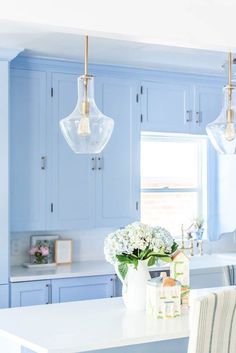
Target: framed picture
<point x="63" y="251"/>
<point x="44" y="240"/>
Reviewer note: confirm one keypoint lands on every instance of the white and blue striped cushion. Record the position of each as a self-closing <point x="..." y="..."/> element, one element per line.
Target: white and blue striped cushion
<point x="232" y="275"/>
<point x="213" y="323"/>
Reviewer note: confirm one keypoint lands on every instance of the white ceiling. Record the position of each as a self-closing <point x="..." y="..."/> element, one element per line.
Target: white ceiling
<point x="47" y="41"/>
<point x="192" y="35"/>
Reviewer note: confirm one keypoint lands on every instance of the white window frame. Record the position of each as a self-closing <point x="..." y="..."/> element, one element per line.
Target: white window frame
<point x="201" y="188"/>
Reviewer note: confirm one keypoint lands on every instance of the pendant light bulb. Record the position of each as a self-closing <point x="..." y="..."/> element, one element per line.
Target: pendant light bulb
<point x="230" y="132"/>
<point x="222" y="131"/>
<point x="84" y="127"/>
<point x="86" y="130"/>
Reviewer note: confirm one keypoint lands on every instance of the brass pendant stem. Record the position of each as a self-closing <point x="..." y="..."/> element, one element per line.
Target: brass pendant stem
<point x="229" y="115"/>
<point x="85" y="107"/>
<point x="86" y="56"/>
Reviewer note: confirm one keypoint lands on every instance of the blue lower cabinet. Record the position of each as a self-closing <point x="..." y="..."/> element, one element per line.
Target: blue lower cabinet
<point x="4" y="296"/>
<point x="83" y="288"/>
<point x="30" y="293"/>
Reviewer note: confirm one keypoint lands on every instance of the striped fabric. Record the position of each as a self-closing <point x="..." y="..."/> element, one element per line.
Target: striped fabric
<point x="232" y="275"/>
<point x="213" y="323"/>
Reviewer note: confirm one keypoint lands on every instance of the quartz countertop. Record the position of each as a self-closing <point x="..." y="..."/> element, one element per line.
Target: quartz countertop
<point x="75" y="327"/>
<point x="97" y="268"/>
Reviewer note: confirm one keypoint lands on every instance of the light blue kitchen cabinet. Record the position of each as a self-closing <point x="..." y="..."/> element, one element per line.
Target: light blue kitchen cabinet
<point x="207" y="106"/>
<point x="165" y="106"/>
<point x="30" y="293"/>
<point x="117" y="176"/>
<point x="28" y="150"/>
<point x="72" y="176"/>
<point x="4" y="296"/>
<point x="83" y="288"/>
<point x="95" y="190"/>
<point x="179" y="107"/>
<point x="52" y="188"/>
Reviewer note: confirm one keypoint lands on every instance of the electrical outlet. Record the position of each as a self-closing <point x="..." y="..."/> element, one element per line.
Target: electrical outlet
<point x="15" y="247"/>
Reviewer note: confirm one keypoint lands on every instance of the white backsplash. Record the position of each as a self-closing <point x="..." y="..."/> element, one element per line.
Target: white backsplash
<point x="87" y="244"/>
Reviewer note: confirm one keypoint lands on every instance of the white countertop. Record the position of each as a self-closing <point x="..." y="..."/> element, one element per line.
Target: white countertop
<point x="76" y="269"/>
<point x="96" y="268"/>
<point x="77" y="326"/>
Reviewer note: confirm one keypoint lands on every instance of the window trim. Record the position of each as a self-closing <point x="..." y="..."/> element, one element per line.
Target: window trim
<point x="202" y="179"/>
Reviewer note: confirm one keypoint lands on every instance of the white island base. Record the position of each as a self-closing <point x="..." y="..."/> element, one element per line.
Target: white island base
<point x="75" y="327"/>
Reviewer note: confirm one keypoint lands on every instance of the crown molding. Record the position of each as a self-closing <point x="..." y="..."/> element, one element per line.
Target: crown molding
<point x="8" y="54"/>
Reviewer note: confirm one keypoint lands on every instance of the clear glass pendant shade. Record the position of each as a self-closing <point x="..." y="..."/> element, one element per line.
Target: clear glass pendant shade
<point x="86" y="129"/>
<point x="222" y="131"/>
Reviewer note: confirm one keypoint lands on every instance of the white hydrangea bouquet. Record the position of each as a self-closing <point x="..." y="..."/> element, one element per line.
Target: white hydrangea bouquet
<point x="138" y="242"/>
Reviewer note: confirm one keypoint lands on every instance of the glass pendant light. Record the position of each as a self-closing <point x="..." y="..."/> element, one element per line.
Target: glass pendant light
<point x="222" y="131"/>
<point x="86" y="129"/>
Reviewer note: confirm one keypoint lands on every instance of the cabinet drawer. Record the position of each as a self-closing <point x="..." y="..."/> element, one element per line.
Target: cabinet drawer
<point x="73" y="289"/>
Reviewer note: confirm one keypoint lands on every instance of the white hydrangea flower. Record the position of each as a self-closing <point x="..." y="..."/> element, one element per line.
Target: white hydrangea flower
<point x="137" y="237"/>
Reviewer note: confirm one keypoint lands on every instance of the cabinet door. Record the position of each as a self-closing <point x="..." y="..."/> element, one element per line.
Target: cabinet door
<point x="84" y="288"/>
<point x="28" y="146"/>
<point x="72" y="178"/>
<point x="118" y="168"/>
<point x="30" y="293"/>
<point x="4" y="296"/>
<point x="208" y="104"/>
<point x="166" y="107"/>
<point x="209" y="278"/>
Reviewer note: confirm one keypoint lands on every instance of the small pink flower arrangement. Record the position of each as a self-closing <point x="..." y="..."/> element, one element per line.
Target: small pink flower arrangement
<point x="40" y="254"/>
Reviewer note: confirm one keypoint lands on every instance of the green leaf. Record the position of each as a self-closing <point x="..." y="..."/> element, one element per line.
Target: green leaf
<point x="174" y="247"/>
<point x="152" y="261"/>
<point x="166" y="259"/>
<point x="123" y="269"/>
<point x="125" y="259"/>
<point x="135" y="262"/>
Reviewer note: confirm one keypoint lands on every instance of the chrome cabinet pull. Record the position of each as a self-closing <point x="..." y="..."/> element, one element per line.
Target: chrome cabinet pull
<point x="100" y="163"/>
<point x="198" y="118"/>
<point x="94" y="163"/>
<point x="43" y="162"/>
<point x="188" y="116"/>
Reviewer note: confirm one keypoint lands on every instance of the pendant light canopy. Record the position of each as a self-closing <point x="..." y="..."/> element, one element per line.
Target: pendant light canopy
<point x="222" y="131"/>
<point x="86" y="129"/>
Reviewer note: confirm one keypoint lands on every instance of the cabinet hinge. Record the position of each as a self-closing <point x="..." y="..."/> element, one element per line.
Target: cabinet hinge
<point x="141" y="90"/>
<point x="52" y="207"/>
<point x="137" y="98"/>
<point x="137" y="204"/>
<point x="51" y="91"/>
<point x="141" y="118"/>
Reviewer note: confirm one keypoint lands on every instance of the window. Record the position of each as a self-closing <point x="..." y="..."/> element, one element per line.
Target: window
<point x="173" y="180"/>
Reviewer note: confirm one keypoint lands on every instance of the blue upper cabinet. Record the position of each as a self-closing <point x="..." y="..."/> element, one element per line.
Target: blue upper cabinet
<point x="207" y="106"/>
<point x="117" y="177"/>
<point x="28" y="150"/>
<point x="179" y="107"/>
<point x="72" y="177"/>
<point x="165" y="106"/>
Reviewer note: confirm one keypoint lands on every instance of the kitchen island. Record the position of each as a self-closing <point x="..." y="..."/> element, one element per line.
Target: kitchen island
<point x="87" y="326"/>
<point x="102" y="325"/>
